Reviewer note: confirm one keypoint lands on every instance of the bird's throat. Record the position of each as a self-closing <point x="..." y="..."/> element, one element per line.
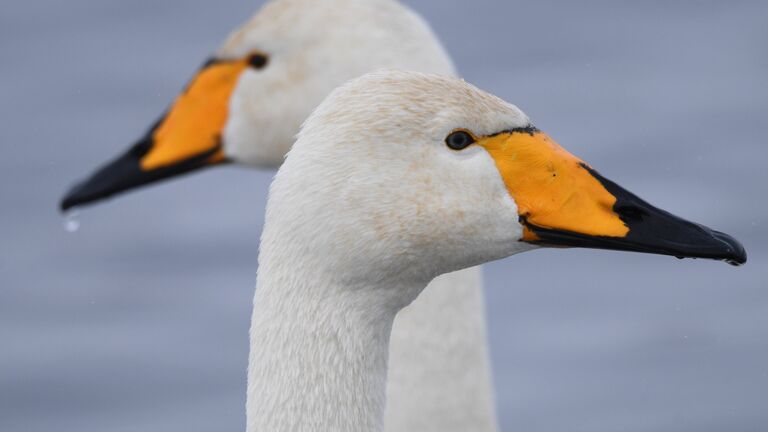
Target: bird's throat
<point x="318" y="357"/>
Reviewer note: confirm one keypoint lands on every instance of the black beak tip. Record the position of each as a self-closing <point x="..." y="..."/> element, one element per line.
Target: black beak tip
<point x="66" y="204"/>
<point x="82" y="193"/>
<point x="733" y="251"/>
<point x="125" y="173"/>
<point x="68" y="201"/>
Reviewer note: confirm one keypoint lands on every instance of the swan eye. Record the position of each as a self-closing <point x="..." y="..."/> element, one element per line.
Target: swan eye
<point x="258" y="60"/>
<point x="459" y="140"/>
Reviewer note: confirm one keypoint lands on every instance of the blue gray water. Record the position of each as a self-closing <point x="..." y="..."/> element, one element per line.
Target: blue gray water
<point x="138" y="321"/>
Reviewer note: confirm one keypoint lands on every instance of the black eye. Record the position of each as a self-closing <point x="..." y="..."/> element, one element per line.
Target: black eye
<point x="258" y="61"/>
<point x="459" y="140"/>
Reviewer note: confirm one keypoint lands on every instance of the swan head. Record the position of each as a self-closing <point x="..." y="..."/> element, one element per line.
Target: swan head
<point x="407" y="175"/>
<point x="246" y="103"/>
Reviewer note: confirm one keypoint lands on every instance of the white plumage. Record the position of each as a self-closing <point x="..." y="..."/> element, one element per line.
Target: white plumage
<point x="439" y="369"/>
<point x="245" y="105"/>
<point x="368" y="207"/>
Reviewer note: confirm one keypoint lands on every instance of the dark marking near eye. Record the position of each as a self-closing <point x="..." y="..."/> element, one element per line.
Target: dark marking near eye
<point x="530" y="130"/>
<point x="211" y="62"/>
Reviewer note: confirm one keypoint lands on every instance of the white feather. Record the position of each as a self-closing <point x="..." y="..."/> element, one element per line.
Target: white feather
<point x="440" y="376"/>
<point x="369" y="207"/>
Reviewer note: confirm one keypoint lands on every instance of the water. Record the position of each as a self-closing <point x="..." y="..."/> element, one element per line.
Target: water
<point x="141" y="320"/>
<point x="71" y="221"/>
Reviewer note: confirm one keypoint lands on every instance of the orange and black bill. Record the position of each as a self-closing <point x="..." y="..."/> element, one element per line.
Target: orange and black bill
<point x="186" y="138"/>
<point x="563" y="202"/>
<point x="650" y="230"/>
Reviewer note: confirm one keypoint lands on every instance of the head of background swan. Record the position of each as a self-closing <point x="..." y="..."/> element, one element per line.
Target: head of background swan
<point x="394" y="179"/>
<point x="246" y="103"/>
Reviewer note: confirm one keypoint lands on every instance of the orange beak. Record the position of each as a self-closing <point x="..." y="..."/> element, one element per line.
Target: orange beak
<point x="563" y="202"/>
<point x="186" y="138"/>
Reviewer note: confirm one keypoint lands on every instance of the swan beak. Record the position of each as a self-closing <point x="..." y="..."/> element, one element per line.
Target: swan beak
<point x="563" y="202"/>
<point x="187" y="137"/>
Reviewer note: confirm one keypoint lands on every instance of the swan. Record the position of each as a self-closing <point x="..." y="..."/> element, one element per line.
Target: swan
<point x="396" y="178"/>
<point x="245" y="106"/>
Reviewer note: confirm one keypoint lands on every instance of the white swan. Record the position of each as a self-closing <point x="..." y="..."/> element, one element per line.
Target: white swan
<point x="245" y="106"/>
<point x="395" y="179"/>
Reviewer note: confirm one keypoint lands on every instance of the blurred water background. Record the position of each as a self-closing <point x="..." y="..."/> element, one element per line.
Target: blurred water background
<point x="138" y="321"/>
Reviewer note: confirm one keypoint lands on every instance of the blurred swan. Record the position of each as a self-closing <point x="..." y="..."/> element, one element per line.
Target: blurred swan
<point x="245" y="106"/>
<point x="395" y="179"/>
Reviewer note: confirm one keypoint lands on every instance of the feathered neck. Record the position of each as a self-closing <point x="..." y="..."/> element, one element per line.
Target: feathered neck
<point x="319" y="349"/>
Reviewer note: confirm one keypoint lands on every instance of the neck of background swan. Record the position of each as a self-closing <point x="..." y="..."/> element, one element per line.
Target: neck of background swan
<point x="319" y="352"/>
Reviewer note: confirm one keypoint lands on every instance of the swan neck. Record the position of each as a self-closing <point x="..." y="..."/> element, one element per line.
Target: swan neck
<point x="319" y="353"/>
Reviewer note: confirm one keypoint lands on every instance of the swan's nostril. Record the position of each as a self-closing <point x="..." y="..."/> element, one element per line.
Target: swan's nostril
<point x="630" y="213"/>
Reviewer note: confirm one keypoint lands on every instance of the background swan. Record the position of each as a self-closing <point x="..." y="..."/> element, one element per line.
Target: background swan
<point x="96" y="336"/>
<point x="245" y="106"/>
<point x="395" y="179"/>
